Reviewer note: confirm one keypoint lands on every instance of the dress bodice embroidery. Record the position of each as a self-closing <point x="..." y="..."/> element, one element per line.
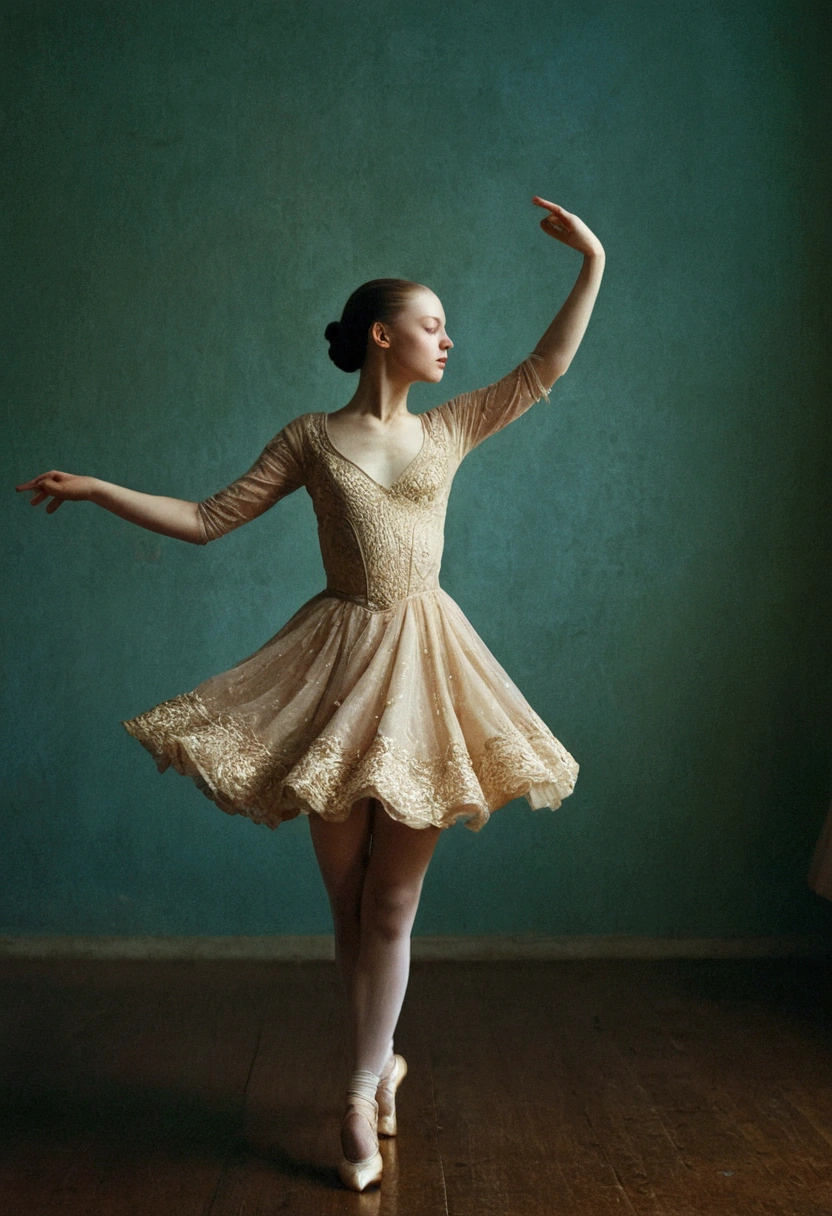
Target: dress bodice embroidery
<point x="379" y="544"/>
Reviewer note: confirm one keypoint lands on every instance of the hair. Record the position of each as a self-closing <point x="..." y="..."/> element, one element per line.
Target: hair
<point x="378" y="300"/>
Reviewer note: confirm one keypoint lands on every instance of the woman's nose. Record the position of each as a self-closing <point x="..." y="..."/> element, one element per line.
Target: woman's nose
<point x="446" y="342"/>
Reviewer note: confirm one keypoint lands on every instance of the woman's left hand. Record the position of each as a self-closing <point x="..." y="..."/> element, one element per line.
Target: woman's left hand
<point x="568" y="228"/>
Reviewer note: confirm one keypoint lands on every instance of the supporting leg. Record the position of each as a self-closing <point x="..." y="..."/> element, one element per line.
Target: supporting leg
<point x="398" y="862"/>
<point x="373" y="869"/>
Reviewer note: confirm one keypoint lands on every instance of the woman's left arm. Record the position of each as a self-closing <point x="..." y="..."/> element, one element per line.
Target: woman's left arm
<point x="473" y="416"/>
<point x="556" y="349"/>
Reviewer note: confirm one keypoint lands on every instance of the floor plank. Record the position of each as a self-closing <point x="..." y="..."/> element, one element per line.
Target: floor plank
<point x="645" y="1088"/>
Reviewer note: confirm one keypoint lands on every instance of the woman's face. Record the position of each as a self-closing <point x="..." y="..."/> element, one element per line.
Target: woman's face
<point x="416" y="342"/>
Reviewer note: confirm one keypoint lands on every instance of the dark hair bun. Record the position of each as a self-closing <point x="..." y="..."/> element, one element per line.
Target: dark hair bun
<point x="346" y="355"/>
<point x="378" y="300"/>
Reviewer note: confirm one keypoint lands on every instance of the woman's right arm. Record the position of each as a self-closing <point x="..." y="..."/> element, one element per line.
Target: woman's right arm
<point x="171" y="516"/>
<point x="277" y="471"/>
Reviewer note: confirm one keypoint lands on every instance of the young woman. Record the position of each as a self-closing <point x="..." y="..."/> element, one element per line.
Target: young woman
<point x="377" y="711"/>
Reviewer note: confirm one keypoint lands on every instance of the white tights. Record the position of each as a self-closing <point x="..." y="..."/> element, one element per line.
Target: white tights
<point x="373" y="868"/>
<point x="374" y="970"/>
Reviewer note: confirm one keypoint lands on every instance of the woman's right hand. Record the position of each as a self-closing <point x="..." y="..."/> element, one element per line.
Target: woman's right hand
<point x="60" y="487"/>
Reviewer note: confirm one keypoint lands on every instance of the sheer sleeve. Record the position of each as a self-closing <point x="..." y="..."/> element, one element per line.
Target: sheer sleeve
<point x="277" y="471"/>
<point x="472" y="417"/>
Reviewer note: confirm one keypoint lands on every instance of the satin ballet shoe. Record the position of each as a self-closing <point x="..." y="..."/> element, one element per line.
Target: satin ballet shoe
<point x="358" y="1175"/>
<point x="391" y="1079"/>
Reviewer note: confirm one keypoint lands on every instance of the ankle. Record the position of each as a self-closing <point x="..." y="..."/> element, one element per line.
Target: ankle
<point x="363" y="1084"/>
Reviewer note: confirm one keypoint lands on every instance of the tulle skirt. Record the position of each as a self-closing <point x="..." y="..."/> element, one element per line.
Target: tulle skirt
<point x="405" y="705"/>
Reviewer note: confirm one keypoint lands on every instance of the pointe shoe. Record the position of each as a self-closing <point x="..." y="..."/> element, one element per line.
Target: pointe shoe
<point x="358" y="1175"/>
<point x="391" y="1079"/>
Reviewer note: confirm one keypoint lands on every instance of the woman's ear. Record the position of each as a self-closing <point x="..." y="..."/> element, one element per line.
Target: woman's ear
<point x="379" y="335"/>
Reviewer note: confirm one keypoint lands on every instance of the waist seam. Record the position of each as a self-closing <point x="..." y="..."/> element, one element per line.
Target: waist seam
<point x="370" y="606"/>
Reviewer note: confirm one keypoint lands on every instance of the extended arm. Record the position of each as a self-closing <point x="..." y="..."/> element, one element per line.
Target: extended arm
<point x="276" y="472"/>
<point x="171" y="516"/>
<point x="561" y="340"/>
<point x="174" y="517"/>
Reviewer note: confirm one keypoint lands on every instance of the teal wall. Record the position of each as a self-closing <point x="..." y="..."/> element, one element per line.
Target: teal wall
<point x="194" y="191"/>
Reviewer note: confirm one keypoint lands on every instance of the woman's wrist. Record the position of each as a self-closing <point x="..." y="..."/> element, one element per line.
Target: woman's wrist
<point x="596" y="253"/>
<point x="97" y="491"/>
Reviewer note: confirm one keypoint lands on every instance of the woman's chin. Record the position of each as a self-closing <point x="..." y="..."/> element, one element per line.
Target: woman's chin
<point x="431" y="375"/>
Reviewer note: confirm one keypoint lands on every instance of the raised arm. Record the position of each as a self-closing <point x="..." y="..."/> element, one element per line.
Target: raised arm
<point x="473" y="416"/>
<point x="276" y="472"/>
<point x="561" y="340"/>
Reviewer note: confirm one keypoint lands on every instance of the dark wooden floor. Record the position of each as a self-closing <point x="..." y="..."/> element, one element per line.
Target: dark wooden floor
<point x="660" y="1088"/>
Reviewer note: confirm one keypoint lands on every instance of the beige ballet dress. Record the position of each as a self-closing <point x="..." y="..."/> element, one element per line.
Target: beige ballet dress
<point x="378" y="686"/>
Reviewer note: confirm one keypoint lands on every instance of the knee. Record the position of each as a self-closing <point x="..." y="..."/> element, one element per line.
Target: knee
<point x="391" y="910"/>
<point x="345" y="900"/>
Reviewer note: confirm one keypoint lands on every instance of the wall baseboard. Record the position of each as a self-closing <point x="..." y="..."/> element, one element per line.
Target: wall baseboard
<point x="484" y="948"/>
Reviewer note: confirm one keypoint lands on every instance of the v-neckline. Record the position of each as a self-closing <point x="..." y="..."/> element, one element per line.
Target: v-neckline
<point x="378" y="484"/>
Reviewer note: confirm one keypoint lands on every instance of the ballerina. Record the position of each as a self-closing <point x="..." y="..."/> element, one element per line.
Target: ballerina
<point x="376" y="710"/>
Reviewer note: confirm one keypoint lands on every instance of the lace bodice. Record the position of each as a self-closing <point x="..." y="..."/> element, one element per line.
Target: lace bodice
<point x="379" y="544"/>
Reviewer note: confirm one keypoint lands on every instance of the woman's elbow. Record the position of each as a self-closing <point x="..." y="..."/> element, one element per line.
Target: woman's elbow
<point x="550" y="368"/>
<point x="198" y="533"/>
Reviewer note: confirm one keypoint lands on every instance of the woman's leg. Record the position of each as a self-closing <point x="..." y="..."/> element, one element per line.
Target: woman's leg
<point x="342" y="851"/>
<point x="374" y="900"/>
<point x="399" y="858"/>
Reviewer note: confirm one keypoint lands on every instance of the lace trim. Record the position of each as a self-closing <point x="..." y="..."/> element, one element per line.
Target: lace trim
<point x="233" y="768"/>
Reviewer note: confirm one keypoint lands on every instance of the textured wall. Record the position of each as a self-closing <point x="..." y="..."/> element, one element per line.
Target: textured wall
<point x="194" y="191"/>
